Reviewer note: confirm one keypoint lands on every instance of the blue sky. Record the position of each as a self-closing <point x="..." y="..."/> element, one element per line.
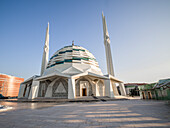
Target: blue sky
<point x="139" y="31"/>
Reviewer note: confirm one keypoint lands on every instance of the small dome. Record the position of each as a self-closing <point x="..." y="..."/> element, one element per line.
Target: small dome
<point x="73" y="56"/>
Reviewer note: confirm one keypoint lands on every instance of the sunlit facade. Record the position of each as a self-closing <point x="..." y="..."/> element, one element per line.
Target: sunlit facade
<point x="72" y="72"/>
<point x="9" y="85"/>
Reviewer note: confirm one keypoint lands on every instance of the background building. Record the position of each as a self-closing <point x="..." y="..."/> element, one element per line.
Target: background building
<point x="159" y="90"/>
<point x="132" y="89"/>
<point x="9" y="85"/>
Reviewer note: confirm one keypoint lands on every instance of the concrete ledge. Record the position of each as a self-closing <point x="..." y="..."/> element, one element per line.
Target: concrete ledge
<point x="56" y="100"/>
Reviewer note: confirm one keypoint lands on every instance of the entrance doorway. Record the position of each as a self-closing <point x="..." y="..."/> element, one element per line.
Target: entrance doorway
<point x="84" y="88"/>
<point x="84" y="91"/>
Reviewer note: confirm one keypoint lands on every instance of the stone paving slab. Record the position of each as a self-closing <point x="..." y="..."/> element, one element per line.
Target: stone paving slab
<point x="118" y="114"/>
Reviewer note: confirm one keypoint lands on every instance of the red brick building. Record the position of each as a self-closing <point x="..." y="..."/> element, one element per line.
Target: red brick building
<point x="9" y="85"/>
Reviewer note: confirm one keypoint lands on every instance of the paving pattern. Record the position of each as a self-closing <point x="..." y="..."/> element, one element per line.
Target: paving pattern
<point x="118" y="114"/>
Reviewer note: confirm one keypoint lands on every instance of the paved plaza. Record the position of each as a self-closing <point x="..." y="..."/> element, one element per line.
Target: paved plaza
<point x="121" y="113"/>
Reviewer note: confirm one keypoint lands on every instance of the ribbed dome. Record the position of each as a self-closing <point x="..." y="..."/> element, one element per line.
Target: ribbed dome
<point x="72" y="60"/>
<point x="72" y="54"/>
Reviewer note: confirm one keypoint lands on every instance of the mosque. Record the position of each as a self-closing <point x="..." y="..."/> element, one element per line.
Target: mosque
<point x="72" y="72"/>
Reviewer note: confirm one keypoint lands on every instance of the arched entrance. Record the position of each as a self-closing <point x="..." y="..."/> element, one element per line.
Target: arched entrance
<point x="25" y="89"/>
<point x="83" y="87"/>
<point x="42" y="89"/>
<point x="60" y="89"/>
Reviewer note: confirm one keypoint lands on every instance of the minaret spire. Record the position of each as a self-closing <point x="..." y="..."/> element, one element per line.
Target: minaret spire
<point x="107" y="47"/>
<point x="46" y="51"/>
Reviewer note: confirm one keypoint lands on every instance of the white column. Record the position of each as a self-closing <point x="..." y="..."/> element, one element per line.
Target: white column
<point x="122" y="89"/>
<point x="21" y="90"/>
<point x="97" y="89"/>
<point x="34" y="90"/>
<point x="108" y="88"/>
<point x="71" y="88"/>
<point x="93" y="89"/>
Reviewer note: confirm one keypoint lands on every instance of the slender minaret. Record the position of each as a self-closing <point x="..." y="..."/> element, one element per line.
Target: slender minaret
<point x="46" y="51"/>
<point x="107" y="47"/>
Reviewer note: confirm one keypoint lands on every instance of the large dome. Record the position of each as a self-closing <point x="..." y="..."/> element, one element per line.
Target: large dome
<point x="72" y="60"/>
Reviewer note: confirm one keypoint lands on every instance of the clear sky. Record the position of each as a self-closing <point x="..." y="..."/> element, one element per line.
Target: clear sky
<point x="139" y="32"/>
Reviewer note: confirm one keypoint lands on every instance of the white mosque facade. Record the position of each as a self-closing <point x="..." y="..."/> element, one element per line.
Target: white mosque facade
<point x="72" y="72"/>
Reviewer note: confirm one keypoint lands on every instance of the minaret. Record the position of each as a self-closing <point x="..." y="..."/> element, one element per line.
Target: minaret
<point x="107" y="47"/>
<point x="46" y="51"/>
